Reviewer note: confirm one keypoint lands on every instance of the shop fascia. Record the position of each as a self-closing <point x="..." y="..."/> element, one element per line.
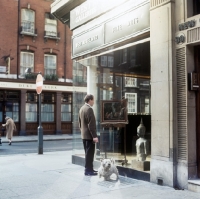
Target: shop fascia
<point x="126" y="22"/>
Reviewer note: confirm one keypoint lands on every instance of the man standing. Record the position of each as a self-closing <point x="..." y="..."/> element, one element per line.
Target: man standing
<point x="87" y="125"/>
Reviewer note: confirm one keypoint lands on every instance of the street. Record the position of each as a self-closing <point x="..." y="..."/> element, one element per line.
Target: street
<point x="32" y="147"/>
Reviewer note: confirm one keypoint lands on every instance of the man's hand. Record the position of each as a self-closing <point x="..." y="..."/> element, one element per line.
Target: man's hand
<point x="95" y="140"/>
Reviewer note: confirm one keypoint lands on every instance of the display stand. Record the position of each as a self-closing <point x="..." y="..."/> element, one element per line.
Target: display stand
<point x="114" y="114"/>
<point x="120" y="125"/>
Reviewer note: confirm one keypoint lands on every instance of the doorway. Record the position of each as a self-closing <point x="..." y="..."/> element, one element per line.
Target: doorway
<point x="9" y="106"/>
<point x="197" y="68"/>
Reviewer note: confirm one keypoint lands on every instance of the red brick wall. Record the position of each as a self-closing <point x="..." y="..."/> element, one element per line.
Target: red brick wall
<point x="9" y="36"/>
<point x="8" y="31"/>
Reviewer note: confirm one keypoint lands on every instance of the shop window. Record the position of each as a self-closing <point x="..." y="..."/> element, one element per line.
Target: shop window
<point x="12" y="110"/>
<point x="26" y="61"/>
<point x="1" y="112"/>
<point x="103" y="60"/>
<point x="196" y="7"/>
<point x="31" y="107"/>
<point x="47" y="107"/>
<point x="66" y="101"/>
<point x="50" y="25"/>
<point x="31" y="112"/>
<point x="110" y="61"/>
<point x="28" y="21"/>
<point x="50" y="64"/>
<point x="124" y="55"/>
<point x="47" y="111"/>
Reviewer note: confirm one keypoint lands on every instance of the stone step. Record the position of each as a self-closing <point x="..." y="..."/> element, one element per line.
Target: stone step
<point x="194" y="185"/>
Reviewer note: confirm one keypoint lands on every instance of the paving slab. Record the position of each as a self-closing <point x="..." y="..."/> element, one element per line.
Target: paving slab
<point x="53" y="176"/>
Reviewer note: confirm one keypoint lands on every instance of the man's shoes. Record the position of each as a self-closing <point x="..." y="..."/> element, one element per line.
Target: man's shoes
<point x="92" y="173"/>
<point x="95" y="171"/>
<point x="9" y="143"/>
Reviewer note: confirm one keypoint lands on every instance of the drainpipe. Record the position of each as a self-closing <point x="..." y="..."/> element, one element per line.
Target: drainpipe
<point x="65" y="45"/>
<point x="18" y="29"/>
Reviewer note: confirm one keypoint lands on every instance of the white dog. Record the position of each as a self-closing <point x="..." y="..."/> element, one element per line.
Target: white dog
<point x="107" y="168"/>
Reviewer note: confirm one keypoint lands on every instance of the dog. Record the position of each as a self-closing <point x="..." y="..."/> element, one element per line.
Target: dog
<point x="107" y="168"/>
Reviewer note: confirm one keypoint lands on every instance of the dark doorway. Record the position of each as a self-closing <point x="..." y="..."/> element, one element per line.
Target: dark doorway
<point x="197" y="68"/>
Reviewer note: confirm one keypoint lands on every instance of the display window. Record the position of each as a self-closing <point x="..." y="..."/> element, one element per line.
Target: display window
<point x="121" y="74"/>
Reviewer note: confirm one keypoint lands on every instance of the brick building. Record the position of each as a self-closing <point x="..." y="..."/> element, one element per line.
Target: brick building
<point x="31" y="38"/>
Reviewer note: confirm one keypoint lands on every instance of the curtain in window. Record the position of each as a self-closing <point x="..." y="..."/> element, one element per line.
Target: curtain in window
<point x="51" y="27"/>
<point x="26" y="61"/>
<point x="28" y="21"/>
<point x="50" y="64"/>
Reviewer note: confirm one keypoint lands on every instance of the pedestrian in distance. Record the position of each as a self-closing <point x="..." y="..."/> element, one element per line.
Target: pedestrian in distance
<point x="10" y="127"/>
<point x="87" y="125"/>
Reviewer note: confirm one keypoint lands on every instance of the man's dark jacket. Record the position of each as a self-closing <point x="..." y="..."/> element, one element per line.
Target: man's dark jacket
<point x="87" y="122"/>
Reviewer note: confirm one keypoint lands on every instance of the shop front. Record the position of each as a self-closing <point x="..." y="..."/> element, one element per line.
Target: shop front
<point x="113" y="59"/>
<point x="19" y="101"/>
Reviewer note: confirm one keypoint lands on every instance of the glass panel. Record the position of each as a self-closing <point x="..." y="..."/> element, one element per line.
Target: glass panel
<point x="1" y="118"/>
<point x="9" y="114"/>
<point x="65" y="107"/>
<point x="9" y="106"/>
<point x="123" y="73"/>
<point x="65" y="117"/>
<point x="31" y="112"/>
<point x="47" y="112"/>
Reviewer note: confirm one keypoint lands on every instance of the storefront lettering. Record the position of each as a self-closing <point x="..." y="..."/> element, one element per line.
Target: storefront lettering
<point x="50" y="87"/>
<point x="133" y="22"/>
<point x="84" y="11"/>
<point x="25" y="86"/>
<point x="91" y="39"/>
<point x="180" y="39"/>
<point x="3" y="84"/>
<point x="117" y="28"/>
<point x="186" y="25"/>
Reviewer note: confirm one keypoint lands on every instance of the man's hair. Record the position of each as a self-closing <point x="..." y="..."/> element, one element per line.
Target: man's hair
<point x="88" y="97"/>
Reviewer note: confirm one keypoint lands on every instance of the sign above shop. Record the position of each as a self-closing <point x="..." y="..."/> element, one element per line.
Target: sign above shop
<point x="132" y="23"/>
<point x="91" y="9"/>
<point x="186" y="25"/>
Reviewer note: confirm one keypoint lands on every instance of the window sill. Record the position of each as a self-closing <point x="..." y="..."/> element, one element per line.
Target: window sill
<point x="22" y="33"/>
<point x="46" y="37"/>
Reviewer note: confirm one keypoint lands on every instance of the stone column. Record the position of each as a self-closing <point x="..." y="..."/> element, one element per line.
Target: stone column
<point x="92" y="84"/>
<point x="23" y="113"/>
<point x="163" y="93"/>
<point x="58" y="113"/>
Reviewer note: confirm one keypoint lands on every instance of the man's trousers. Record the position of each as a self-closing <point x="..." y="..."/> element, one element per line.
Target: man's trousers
<point x="89" y="147"/>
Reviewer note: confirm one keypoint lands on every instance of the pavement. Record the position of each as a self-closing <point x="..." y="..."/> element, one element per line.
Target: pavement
<point x="34" y="138"/>
<point x="53" y="176"/>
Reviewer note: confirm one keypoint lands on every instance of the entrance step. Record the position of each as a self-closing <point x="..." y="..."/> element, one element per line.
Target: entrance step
<point x="194" y="185"/>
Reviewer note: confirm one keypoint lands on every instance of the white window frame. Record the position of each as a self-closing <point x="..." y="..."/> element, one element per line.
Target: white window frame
<point x="132" y="102"/>
<point x="49" y="70"/>
<point x="103" y="60"/>
<point x="25" y="65"/>
<point x="50" y="26"/>
<point x="130" y="82"/>
<point x="110" y="61"/>
<point x="28" y="24"/>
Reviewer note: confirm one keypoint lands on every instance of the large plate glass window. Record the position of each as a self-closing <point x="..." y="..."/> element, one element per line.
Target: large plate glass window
<point x="47" y="107"/>
<point x="66" y="107"/>
<point x="31" y="107"/>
